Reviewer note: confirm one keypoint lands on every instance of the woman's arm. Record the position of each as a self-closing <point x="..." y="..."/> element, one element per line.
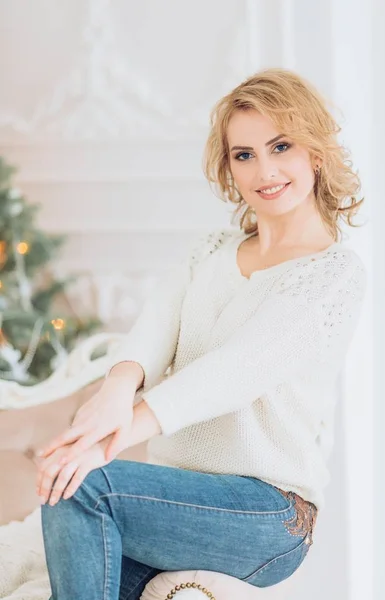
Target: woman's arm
<point x="151" y="341"/>
<point x="311" y="311"/>
<point x="145" y="424"/>
<point x="129" y="370"/>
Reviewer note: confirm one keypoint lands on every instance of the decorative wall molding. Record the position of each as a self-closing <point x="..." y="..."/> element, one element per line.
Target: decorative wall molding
<point x="121" y="206"/>
<point x="112" y="161"/>
<point x="91" y="101"/>
<point x="105" y="96"/>
<point x="116" y="298"/>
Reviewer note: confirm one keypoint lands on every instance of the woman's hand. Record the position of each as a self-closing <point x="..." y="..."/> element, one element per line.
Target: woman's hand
<point x="70" y="477"/>
<point x="144" y="426"/>
<point x="109" y="411"/>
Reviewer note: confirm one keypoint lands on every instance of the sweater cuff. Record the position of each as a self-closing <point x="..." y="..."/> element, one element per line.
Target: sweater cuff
<point x="149" y="368"/>
<point x="164" y="410"/>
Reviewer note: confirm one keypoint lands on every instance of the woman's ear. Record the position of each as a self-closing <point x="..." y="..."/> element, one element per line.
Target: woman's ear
<point x="317" y="162"/>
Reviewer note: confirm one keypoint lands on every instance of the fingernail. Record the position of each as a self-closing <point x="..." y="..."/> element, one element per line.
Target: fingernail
<point x="39" y="452"/>
<point x="53" y="500"/>
<point x="42" y="500"/>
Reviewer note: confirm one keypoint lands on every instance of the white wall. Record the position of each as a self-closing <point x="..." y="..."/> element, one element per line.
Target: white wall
<point x="104" y="106"/>
<point x="377" y="155"/>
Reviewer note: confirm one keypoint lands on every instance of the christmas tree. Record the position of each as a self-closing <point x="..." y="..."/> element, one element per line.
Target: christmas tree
<point x="35" y="335"/>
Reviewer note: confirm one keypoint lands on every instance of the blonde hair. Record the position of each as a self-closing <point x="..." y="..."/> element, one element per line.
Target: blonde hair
<point x="297" y="110"/>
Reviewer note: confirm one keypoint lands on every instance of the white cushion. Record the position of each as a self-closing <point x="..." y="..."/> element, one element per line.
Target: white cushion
<point x="221" y="586"/>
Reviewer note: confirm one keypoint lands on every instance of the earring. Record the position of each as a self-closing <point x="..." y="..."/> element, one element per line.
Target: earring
<point x="317" y="170"/>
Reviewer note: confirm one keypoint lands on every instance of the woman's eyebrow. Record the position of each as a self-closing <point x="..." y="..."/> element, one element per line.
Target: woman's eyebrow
<point x="278" y="137"/>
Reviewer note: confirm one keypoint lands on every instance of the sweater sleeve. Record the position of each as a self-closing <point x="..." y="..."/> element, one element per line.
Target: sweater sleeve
<point x="153" y="337"/>
<point x="310" y="310"/>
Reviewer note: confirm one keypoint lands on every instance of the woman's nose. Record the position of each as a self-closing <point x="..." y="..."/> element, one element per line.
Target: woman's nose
<point x="265" y="172"/>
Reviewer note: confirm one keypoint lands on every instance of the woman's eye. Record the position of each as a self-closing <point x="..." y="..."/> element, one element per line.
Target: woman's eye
<point x="285" y="147"/>
<point x="280" y="146"/>
<point x="238" y="156"/>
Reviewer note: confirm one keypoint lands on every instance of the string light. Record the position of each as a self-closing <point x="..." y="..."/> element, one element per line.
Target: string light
<point x="3" y="253"/>
<point x="58" y="323"/>
<point x="22" y="247"/>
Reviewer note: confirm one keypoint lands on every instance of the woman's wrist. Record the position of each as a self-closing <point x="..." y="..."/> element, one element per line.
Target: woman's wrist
<point x="127" y="370"/>
<point x="126" y="376"/>
<point x="145" y="425"/>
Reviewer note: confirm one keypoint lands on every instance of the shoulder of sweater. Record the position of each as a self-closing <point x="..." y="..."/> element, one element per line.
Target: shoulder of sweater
<point x="338" y="271"/>
<point x="347" y="252"/>
<point x="356" y="273"/>
<point x="345" y="262"/>
<point x="341" y="259"/>
<point x="206" y="243"/>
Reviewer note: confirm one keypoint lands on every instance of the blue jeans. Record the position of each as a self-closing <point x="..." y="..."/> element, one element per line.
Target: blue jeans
<point x="128" y="521"/>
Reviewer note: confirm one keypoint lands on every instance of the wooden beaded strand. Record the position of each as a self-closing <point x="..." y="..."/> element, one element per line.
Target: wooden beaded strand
<point x="182" y="586"/>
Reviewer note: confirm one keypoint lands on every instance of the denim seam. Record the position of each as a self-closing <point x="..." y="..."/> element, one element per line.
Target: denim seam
<point x="251" y="512"/>
<point x="105" y="543"/>
<point x="106" y="478"/>
<point x="105" y="559"/>
<point x="234" y="494"/>
<point x="291" y="502"/>
<point x="142" y="579"/>
<point x="271" y="562"/>
<point x="85" y="486"/>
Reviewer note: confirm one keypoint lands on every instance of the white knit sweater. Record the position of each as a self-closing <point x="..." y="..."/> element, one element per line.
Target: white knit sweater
<point x="252" y="363"/>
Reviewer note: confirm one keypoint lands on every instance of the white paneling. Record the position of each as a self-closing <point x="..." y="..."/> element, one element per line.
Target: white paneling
<point x="267" y="33"/>
<point x="313" y="45"/>
<point x="352" y="62"/>
<point x="121" y="206"/>
<point x="101" y="83"/>
<point x="138" y="250"/>
<point x="377" y="201"/>
<point x="106" y="161"/>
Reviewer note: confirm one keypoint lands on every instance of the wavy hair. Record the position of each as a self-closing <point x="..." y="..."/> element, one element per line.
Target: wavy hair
<point x="299" y="111"/>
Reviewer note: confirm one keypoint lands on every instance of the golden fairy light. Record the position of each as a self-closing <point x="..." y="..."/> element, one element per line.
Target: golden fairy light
<point x="58" y="323"/>
<point x="3" y="253"/>
<point x="3" y="339"/>
<point x="1" y="284"/>
<point x="22" y="247"/>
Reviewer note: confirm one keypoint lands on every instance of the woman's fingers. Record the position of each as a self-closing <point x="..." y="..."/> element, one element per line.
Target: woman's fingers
<point x="62" y="481"/>
<point x="39" y="478"/>
<point x="47" y="476"/>
<point x="115" y="446"/>
<point x="43" y="465"/>
<point x="72" y="475"/>
<point x="69" y="435"/>
<point x="56" y="481"/>
<point x="85" y="442"/>
<point x="78" y="479"/>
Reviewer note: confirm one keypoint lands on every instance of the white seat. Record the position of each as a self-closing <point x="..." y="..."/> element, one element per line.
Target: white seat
<point x="217" y="586"/>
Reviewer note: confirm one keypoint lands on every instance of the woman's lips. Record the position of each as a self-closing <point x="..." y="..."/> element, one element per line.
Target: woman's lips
<point x="273" y="196"/>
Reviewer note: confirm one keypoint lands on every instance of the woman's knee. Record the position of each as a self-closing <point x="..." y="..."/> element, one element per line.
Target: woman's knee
<point x="93" y="486"/>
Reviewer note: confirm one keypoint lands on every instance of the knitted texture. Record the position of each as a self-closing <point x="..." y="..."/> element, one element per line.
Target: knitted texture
<point x="23" y="569"/>
<point x="252" y="362"/>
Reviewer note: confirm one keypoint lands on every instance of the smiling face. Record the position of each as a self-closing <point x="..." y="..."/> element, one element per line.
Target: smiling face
<point x="256" y="162"/>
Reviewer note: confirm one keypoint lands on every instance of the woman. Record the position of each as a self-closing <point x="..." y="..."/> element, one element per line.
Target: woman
<point x="255" y="325"/>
